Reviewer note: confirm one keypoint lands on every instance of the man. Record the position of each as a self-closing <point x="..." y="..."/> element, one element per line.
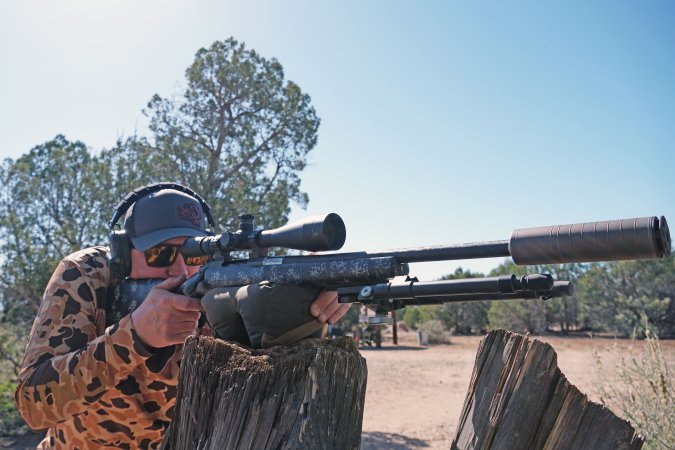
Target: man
<point x="96" y="380"/>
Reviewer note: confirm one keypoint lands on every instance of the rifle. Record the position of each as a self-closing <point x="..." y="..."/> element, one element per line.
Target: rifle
<point x="366" y="277"/>
<point x="371" y="278"/>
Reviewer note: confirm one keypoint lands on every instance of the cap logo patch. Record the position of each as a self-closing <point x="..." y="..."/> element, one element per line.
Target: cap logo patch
<point x="190" y="212"/>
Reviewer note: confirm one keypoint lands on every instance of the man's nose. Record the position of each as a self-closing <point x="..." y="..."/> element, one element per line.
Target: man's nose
<point x="178" y="267"/>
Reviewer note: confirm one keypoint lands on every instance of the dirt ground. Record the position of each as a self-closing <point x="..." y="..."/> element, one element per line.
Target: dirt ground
<point x="415" y="394"/>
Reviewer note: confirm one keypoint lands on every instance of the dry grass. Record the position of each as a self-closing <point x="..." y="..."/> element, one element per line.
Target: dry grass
<point x="644" y="394"/>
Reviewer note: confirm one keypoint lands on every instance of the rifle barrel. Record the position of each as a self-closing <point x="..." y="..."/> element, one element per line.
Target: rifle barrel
<point x="611" y="240"/>
<point x="490" y="249"/>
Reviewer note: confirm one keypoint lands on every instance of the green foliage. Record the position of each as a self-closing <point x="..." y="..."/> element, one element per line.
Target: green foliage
<point x="535" y="316"/>
<point x="11" y="422"/>
<point x="517" y="315"/>
<point x="645" y="394"/>
<point x="132" y="163"/>
<point x="458" y="318"/>
<point x="411" y="316"/>
<point x="467" y="317"/>
<point x="616" y="296"/>
<point x="414" y="315"/>
<point x="46" y="204"/>
<point x="240" y="134"/>
<point x="12" y="345"/>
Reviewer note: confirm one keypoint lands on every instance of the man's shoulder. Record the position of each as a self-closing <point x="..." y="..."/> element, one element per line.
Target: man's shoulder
<point x="89" y="259"/>
<point x="84" y="255"/>
<point x="85" y="275"/>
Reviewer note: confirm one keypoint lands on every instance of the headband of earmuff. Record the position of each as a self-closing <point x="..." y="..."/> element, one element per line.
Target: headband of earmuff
<point x="143" y="191"/>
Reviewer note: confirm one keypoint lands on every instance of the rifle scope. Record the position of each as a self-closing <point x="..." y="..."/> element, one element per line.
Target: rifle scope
<point x="314" y="234"/>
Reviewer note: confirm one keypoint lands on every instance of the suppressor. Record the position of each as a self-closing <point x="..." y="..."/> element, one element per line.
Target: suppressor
<point x="638" y="238"/>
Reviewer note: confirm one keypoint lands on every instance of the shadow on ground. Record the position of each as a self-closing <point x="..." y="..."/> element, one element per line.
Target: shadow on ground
<point x="377" y="440"/>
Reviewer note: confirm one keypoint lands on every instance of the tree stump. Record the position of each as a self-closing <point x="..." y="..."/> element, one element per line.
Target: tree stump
<point x="309" y="395"/>
<point x="519" y="399"/>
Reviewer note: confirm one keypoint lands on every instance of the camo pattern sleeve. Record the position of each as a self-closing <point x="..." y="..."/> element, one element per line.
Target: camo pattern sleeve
<point x="77" y="378"/>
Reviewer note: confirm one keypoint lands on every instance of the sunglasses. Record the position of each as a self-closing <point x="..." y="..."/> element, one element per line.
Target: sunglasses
<point x="164" y="255"/>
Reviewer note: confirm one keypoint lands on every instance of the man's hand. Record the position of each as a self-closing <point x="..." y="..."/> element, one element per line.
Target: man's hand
<point x="326" y="308"/>
<point x="165" y="318"/>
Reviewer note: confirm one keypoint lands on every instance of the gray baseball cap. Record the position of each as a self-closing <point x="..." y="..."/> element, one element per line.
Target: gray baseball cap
<point x="164" y="215"/>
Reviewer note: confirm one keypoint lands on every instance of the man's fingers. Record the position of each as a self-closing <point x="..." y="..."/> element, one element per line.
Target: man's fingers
<point x="322" y="301"/>
<point x="185" y="328"/>
<point x="183" y="303"/>
<point x="189" y="316"/>
<point x="328" y="311"/>
<point x="171" y="282"/>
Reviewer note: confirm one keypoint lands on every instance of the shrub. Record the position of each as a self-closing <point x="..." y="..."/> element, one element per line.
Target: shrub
<point x="644" y="394"/>
<point x="435" y="330"/>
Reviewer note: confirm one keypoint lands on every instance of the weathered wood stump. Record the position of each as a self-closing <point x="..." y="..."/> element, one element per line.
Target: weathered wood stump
<point x="309" y="395"/>
<point x="519" y="399"/>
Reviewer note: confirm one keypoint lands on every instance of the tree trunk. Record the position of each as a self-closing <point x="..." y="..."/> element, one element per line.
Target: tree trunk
<point x="519" y="399"/>
<point x="309" y="395"/>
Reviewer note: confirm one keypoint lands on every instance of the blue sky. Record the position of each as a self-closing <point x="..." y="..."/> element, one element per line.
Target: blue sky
<point x="442" y="122"/>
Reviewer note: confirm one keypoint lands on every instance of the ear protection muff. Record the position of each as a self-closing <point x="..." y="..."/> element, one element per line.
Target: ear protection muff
<point x="119" y="257"/>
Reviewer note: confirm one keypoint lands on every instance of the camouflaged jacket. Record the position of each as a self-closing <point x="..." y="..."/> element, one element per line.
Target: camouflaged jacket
<point x="92" y="386"/>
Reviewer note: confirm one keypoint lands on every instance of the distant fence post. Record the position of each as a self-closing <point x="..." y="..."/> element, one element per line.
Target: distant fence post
<point x="306" y="396"/>
<point x="519" y="399"/>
